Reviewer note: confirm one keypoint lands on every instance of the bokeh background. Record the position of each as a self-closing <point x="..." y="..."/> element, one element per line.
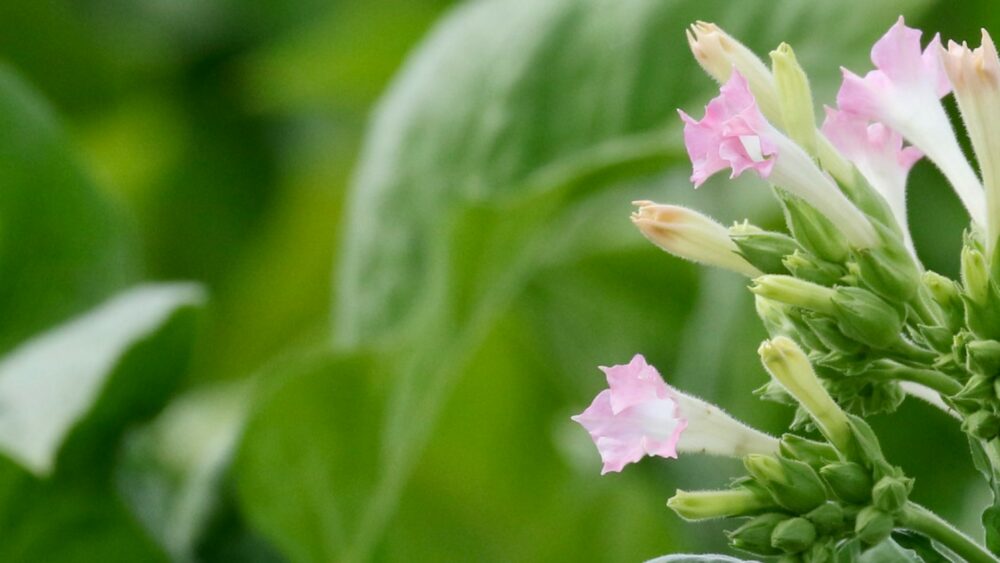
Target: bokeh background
<point x="410" y="222"/>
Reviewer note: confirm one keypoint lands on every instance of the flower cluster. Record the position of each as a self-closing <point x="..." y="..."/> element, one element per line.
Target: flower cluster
<point x="856" y="322"/>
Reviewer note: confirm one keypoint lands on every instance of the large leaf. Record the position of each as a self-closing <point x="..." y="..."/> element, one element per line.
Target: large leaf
<point x="51" y="383"/>
<point x="304" y="491"/>
<point x="68" y="395"/>
<point x="62" y="246"/>
<point x="704" y="558"/>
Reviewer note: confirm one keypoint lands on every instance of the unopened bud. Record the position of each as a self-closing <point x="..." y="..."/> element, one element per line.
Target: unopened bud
<point x="773" y="315"/>
<point x="872" y="525"/>
<point x="816" y="454"/>
<point x="718" y="53"/>
<point x="943" y="290"/>
<point x="807" y="267"/>
<point x="793" y="291"/>
<point x="849" y="481"/>
<point x="755" y="535"/>
<point x="793" y="535"/>
<point x="828" y="518"/>
<point x="813" y="230"/>
<point x="793" y="484"/>
<point x="764" y="249"/>
<point x="890" y="493"/>
<point x="982" y="424"/>
<point x="795" y="98"/>
<point x="788" y="365"/>
<point x="866" y="318"/>
<point x="690" y="235"/>
<point x="983" y="357"/>
<point x="975" y="275"/>
<point x="889" y="269"/>
<point x="706" y="505"/>
<point x="830" y="333"/>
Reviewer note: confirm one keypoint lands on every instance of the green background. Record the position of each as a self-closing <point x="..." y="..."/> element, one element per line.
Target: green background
<point x="410" y="218"/>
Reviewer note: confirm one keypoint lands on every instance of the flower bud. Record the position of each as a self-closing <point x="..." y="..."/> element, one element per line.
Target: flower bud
<point x="764" y="249"/>
<point x="788" y="364"/>
<point x="774" y="316"/>
<point x="828" y="518"/>
<point x="849" y="481"/>
<point x="975" y="275"/>
<point x="706" y="505"/>
<point x="982" y="424"/>
<point x="983" y="357"/>
<point x="690" y="235"/>
<point x="794" y="97"/>
<point x="718" y="54"/>
<point x="890" y="493"/>
<point x="866" y="318"/>
<point x="889" y="269"/>
<point x="793" y="535"/>
<point x="814" y="453"/>
<point x="807" y="267"/>
<point x="755" y="535"/>
<point x="813" y="230"/>
<point x="828" y="331"/>
<point x="793" y="484"/>
<point x="872" y="525"/>
<point x="793" y="291"/>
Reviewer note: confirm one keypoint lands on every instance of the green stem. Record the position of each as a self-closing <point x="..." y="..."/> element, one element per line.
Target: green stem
<point x="930" y="378"/>
<point x="919" y="519"/>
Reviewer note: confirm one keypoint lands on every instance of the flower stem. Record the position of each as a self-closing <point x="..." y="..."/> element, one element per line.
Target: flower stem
<point x="919" y="519"/>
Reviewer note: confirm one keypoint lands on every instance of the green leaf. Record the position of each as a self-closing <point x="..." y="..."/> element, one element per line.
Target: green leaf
<point x="920" y="544"/>
<point x="889" y="552"/>
<point x="172" y="468"/>
<point x="63" y="247"/>
<point x="63" y="377"/>
<point x="304" y="492"/>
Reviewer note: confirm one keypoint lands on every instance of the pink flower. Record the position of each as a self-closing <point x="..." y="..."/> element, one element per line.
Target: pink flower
<point x="638" y="415"/>
<point x="878" y="153"/>
<point x="733" y="134"/>
<point x="904" y="93"/>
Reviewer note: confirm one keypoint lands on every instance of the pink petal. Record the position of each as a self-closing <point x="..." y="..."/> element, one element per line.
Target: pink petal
<point x="898" y="53"/>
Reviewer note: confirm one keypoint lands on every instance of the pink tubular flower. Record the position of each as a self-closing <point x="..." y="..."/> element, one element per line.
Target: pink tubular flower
<point x="640" y="415"/>
<point x="904" y="93"/>
<point x="878" y="153"/>
<point x="734" y="134"/>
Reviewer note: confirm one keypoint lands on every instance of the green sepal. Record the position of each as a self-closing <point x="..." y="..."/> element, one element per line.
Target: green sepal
<point x="813" y="230"/>
<point x="982" y="424"/>
<point x="807" y="267"/>
<point x="828" y="331"/>
<point x="891" y="493"/>
<point x="792" y="484"/>
<point x="816" y="454"/>
<point x="983" y="357"/>
<point x="865" y="317"/>
<point x="873" y="525"/>
<point x="794" y="535"/>
<point x="765" y="250"/>
<point x="754" y="536"/>
<point x="889" y="269"/>
<point x="850" y="481"/>
<point x="829" y="518"/>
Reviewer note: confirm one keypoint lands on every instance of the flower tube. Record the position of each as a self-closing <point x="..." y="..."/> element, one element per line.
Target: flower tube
<point x="640" y="415"/>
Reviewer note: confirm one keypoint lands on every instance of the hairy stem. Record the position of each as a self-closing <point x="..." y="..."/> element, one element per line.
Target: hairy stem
<point x="919" y="519"/>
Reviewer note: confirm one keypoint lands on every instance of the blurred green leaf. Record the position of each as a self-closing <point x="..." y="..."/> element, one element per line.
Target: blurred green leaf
<point x="310" y="511"/>
<point x="707" y="558"/>
<point x="62" y="246"/>
<point x="51" y="383"/>
<point x="172" y="468"/>
<point x="77" y="388"/>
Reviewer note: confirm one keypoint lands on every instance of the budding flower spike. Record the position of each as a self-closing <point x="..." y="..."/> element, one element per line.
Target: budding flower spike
<point x="640" y="415"/>
<point x="734" y="134"/>
<point x="904" y="93"/>
<point x="690" y="235"/>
